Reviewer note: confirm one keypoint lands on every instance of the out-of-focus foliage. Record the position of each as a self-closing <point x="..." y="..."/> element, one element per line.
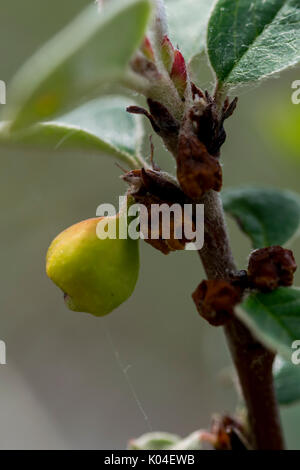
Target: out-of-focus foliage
<point x="187" y="23"/>
<point x="279" y="123"/>
<point x="287" y="381"/>
<point x="77" y="63"/>
<point x="166" y="441"/>
<point x="100" y="126"/>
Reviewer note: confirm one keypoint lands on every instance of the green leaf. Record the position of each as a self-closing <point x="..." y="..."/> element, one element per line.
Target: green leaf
<point x="154" y="441"/>
<point x="187" y="22"/>
<point x="78" y="63"/>
<point x="100" y="126"/>
<point x="194" y="441"/>
<point x="286" y="381"/>
<point x="166" y="441"/>
<point x="268" y="216"/>
<point x="274" y="318"/>
<point x="249" y="40"/>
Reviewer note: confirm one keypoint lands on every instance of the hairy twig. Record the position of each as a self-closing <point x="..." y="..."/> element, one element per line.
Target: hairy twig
<point x="252" y="360"/>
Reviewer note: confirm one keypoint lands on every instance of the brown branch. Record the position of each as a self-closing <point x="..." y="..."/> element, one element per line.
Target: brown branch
<point x="252" y="360"/>
<point x="253" y="363"/>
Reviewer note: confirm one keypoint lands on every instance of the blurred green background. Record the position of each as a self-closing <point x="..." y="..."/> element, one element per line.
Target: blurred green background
<point x="64" y="386"/>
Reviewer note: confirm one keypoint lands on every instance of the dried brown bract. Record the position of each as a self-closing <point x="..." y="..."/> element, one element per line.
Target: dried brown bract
<point x="229" y="434"/>
<point x="197" y="170"/>
<point x="156" y="191"/>
<point x="200" y="139"/>
<point x="215" y="300"/>
<point x="162" y="121"/>
<point x="208" y="121"/>
<point x="146" y="182"/>
<point x="270" y="268"/>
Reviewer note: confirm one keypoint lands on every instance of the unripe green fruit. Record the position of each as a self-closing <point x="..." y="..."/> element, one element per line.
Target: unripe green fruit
<point x="95" y="275"/>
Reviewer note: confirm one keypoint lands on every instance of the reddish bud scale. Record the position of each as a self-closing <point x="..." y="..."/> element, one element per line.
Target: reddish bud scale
<point x="147" y="50"/>
<point x="179" y="73"/>
<point x="167" y="53"/>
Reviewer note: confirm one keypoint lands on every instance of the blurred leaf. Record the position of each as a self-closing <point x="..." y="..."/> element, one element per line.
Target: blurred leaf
<point x="154" y="441"/>
<point x="166" y="441"/>
<point x="268" y="216"/>
<point x="100" y="126"/>
<point x="248" y="40"/>
<point x="200" y="71"/>
<point x="286" y="381"/>
<point x="188" y="21"/>
<point x="193" y="442"/>
<point x="76" y="64"/>
<point x="279" y="123"/>
<point x="274" y="318"/>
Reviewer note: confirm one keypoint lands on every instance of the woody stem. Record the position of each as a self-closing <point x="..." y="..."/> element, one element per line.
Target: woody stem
<point x="252" y="360"/>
